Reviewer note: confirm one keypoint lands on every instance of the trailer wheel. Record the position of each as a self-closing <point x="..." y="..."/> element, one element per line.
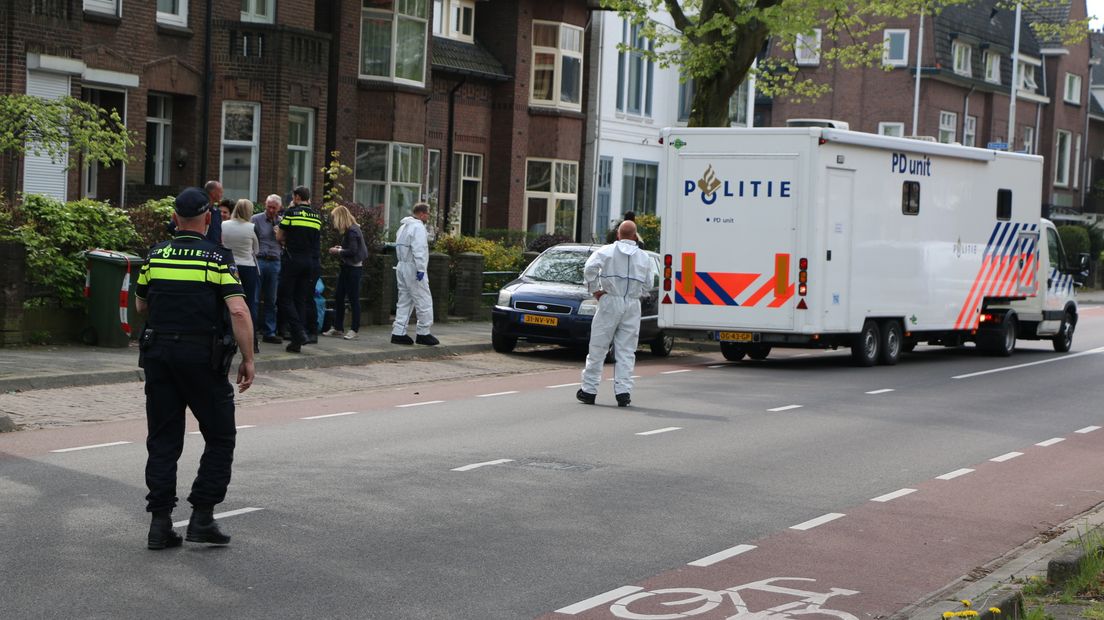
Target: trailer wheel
<point x="662" y="345"/>
<point x="732" y="351"/>
<point x="890" y="349"/>
<point x="1064" y="339"/>
<point x="758" y="352"/>
<point x="865" y="350"/>
<point x="503" y="344"/>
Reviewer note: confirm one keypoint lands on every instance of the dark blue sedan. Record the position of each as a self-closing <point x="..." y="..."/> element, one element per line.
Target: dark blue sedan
<point x="549" y="303"/>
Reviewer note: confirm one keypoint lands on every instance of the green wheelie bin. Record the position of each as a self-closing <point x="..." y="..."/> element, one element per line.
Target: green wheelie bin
<point x="109" y="287"/>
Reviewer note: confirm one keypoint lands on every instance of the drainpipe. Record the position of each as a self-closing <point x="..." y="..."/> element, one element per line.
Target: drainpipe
<point x="966" y="113"/>
<point x="449" y="147"/>
<point x="208" y="86"/>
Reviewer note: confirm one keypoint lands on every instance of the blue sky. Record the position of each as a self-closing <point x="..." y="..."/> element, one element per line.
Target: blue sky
<point x="1096" y="7"/>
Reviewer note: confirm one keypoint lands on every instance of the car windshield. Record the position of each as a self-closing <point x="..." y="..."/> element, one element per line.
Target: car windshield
<point x="558" y="266"/>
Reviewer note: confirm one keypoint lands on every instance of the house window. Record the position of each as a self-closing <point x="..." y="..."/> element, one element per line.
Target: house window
<point x="393" y="40"/>
<point x="910" y="198"/>
<point x="467" y="192"/>
<point x="962" y="53"/>
<point x="892" y="129"/>
<point x="807" y="48"/>
<point x="550" y="196"/>
<point x="1004" y="204"/>
<point x="992" y="67"/>
<point x="432" y="190"/>
<point x="1073" y="89"/>
<point x="388" y="176"/>
<point x="634" y="72"/>
<point x="173" y="12"/>
<point x="300" y="147"/>
<point x="241" y="135"/>
<point x="1062" y="159"/>
<point x="948" y="124"/>
<point x="108" y="7"/>
<point x="1027" y="76"/>
<point x="685" y="99"/>
<point x="896" y="48"/>
<point x="557" y="79"/>
<point x="638" y="187"/>
<point x="258" y="11"/>
<point x="1076" y="160"/>
<point x="1029" y="140"/>
<point x="454" y="19"/>
<point x="969" y="131"/>
<point x="158" y="139"/>
<point x="602" y="219"/>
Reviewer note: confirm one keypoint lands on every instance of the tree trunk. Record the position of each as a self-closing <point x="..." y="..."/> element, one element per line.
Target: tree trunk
<point x="712" y="94"/>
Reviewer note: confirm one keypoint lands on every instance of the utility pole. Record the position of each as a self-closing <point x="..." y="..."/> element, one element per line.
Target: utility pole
<point x="1011" y="139"/>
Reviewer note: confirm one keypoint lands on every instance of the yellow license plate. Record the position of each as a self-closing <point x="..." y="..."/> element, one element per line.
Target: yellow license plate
<point x="734" y="337"/>
<point x="536" y="319"/>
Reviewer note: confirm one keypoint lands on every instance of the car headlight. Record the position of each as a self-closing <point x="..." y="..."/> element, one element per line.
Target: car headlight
<point x="588" y="307"/>
<point x="504" y="297"/>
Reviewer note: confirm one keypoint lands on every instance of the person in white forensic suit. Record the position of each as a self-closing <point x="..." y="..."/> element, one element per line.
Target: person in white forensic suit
<point x="412" y="260"/>
<point x="618" y="274"/>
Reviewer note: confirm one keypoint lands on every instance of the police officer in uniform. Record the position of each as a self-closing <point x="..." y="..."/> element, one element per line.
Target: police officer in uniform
<point x="300" y="231"/>
<point x="189" y="286"/>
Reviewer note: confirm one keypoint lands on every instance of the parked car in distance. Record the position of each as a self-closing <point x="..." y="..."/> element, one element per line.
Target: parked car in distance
<point x="549" y="303"/>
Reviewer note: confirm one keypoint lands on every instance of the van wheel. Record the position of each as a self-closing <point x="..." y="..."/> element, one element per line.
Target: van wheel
<point x="732" y="351"/>
<point x="759" y="352"/>
<point x="1000" y="341"/>
<point x="503" y="344"/>
<point x="1064" y="339"/>
<point x="662" y="345"/>
<point x="865" y="349"/>
<point x="891" y="345"/>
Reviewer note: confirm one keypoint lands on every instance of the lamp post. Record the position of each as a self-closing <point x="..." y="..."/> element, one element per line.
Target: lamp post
<point x="1011" y="140"/>
<point x="916" y="86"/>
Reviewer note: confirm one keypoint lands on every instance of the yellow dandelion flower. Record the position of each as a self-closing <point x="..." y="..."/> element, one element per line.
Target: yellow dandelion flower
<point x="948" y="614"/>
<point x="966" y="602"/>
<point x="994" y="610"/>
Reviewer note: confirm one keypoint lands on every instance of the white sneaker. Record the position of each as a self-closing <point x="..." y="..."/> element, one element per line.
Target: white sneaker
<point x="331" y="332"/>
<point x="350" y="335"/>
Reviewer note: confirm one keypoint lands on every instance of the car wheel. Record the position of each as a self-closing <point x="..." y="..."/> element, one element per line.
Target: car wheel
<point x="1064" y="339"/>
<point x="732" y="351"/>
<point x="503" y="344"/>
<point x="891" y="345"/>
<point x="864" y="351"/>
<point x="662" y="345"/>
<point x="758" y="352"/>
<point x="1000" y="341"/>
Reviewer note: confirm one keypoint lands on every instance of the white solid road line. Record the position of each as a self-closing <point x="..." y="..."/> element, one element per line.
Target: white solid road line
<point x="478" y="465"/>
<point x="330" y="415"/>
<point x="1087" y="429"/>
<point x="786" y="408"/>
<point x="1018" y="366"/>
<point x="563" y="385"/>
<point x="821" y="520"/>
<point x="496" y="394"/>
<point x="1050" y="442"/>
<point x="222" y="515"/>
<point x="1006" y="457"/>
<point x="424" y="402"/>
<point x="882" y="391"/>
<point x="674" y="372"/>
<point x="720" y="556"/>
<point x="892" y="496"/>
<point x="954" y="474"/>
<point x="236" y="427"/>
<point x="98" y="445"/>
<point x="601" y="599"/>
<point x="661" y="430"/>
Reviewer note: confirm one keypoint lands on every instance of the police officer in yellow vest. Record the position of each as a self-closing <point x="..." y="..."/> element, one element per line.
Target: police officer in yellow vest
<point x="300" y="265"/>
<point x="189" y="286"/>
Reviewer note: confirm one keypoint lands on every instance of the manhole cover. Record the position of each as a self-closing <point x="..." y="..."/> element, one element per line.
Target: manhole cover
<point x="554" y="465"/>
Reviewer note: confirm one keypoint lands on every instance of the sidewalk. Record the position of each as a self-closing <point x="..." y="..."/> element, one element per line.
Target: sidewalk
<point x="44" y="367"/>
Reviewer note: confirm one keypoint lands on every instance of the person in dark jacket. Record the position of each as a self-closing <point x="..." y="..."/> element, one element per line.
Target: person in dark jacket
<point x="353" y="250"/>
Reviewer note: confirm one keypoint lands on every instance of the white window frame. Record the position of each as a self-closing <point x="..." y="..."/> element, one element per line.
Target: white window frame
<point x="1062" y="158"/>
<point x="559" y="54"/>
<point x="179" y="18"/>
<point x="962" y="53"/>
<point x="885" y="127"/>
<point x="395" y="16"/>
<point x="162" y="159"/>
<point x="466" y="167"/>
<point x="1072" y="89"/>
<point x="1076" y="161"/>
<point x="557" y="191"/>
<point x="307" y="169"/>
<point x="624" y="65"/>
<point x="1029" y="140"/>
<point x="948" y="125"/>
<point x="251" y="14"/>
<point x="446" y="15"/>
<point x="634" y="164"/>
<point x="888" y="60"/>
<point x="389" y="182"/>
<point x="992" y="67"/>
<point x="1027" y="76"/>
<point x="804" y="54"/>
<point x="254" y="144"/>
<point x="104" y="7"/>
<point x="969" y="131"/>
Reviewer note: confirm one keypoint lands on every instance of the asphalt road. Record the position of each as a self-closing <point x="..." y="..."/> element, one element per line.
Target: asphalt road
<point x="502" y="497"/>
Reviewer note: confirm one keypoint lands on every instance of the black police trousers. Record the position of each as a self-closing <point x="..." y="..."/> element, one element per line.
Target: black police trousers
<point x="172" y="385"/>
<point x="297" y="278"/>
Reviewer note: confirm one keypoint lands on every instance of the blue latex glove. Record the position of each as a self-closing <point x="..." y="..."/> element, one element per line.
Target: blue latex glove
<point x="421" y="274"/>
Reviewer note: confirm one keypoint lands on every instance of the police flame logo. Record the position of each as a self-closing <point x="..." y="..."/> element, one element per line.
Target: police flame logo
<point x="708" y="183"/>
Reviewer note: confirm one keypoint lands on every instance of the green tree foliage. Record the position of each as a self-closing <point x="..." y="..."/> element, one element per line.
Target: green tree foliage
<point x="151" y="222"/>
<point x="715" y="42"/>
<point x="1075" y="241"/>
<point x="54" y="127"/>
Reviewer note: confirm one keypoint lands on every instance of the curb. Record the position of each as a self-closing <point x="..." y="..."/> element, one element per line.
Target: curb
<point x="6" y="424"/>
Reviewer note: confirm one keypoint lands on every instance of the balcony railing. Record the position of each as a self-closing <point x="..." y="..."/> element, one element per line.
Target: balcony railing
<point x="273" y="44"/>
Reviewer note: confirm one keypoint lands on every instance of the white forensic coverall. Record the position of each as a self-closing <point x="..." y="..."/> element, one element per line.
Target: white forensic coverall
<point x="624" y="272"/>
<point x="412" y="256"/>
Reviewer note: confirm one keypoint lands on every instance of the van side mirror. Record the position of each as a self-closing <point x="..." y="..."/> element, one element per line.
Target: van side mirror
<point x="1082" y="274"/>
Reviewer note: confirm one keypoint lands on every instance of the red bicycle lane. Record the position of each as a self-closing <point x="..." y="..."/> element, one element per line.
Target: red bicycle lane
<point x="878" y="558"/>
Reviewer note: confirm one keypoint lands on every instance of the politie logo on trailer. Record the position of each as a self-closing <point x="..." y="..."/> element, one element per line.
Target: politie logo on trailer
<point x="709" y="187"/>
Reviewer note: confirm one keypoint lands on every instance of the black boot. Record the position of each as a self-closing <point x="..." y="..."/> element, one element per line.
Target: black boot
<point x="161" y="534"/>
<point x="623" y="400"/>
<point x="202" y="528"/>
<point x="427" y="339"/>
<point x="403" y="339"/>
<point x="585" y="397"/>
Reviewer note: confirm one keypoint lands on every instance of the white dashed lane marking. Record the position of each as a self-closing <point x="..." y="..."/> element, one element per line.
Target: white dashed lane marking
<point x="821" y="520"/>
<point x="601" y="599"/>
<point x="1006" y="457"/>
<point x="483" y="464"/>
<point x="330" y="415"/>
<point x="786" y="408"/>
<point x="720" y="556"/>
<point x="883" y="391"/>
<point x="497" y="394"/>
<point x="718" y="366"/>
<point x="222" y="515"/>
<point x="236" y="427"/>
<point x="1050" y="442"/>
<point x="424" y="402"/>
<point x="892" y="496"/>
<point x="90" y="447"/>
<point x="661" y="430"/>
<point x="954" y="474"/>
<point x="1087" y="429"/>
<point x="551" y="387"/>
<point x="674" y="372"/>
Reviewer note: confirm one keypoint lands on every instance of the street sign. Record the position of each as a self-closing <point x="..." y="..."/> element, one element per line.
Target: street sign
<point x="997" y="146"/>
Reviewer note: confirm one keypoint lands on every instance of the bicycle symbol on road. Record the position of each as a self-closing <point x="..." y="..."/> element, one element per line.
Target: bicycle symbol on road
<point x="708" y="600"/>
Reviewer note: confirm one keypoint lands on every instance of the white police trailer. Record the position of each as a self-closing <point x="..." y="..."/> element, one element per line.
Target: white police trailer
<point x="823" y="238"/>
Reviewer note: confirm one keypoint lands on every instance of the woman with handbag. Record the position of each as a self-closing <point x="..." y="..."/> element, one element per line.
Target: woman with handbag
<point x="353" y="251"/>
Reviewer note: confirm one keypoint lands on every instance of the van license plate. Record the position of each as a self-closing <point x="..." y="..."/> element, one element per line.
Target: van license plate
<point x="536" y="319"/>
<point x="734" y="336"/>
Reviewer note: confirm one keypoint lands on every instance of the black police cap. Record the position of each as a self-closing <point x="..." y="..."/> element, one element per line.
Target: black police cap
<point x="192" y="202"/>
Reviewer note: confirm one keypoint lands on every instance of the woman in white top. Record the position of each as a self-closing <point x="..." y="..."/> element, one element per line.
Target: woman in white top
<point x="239" y="236"/>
